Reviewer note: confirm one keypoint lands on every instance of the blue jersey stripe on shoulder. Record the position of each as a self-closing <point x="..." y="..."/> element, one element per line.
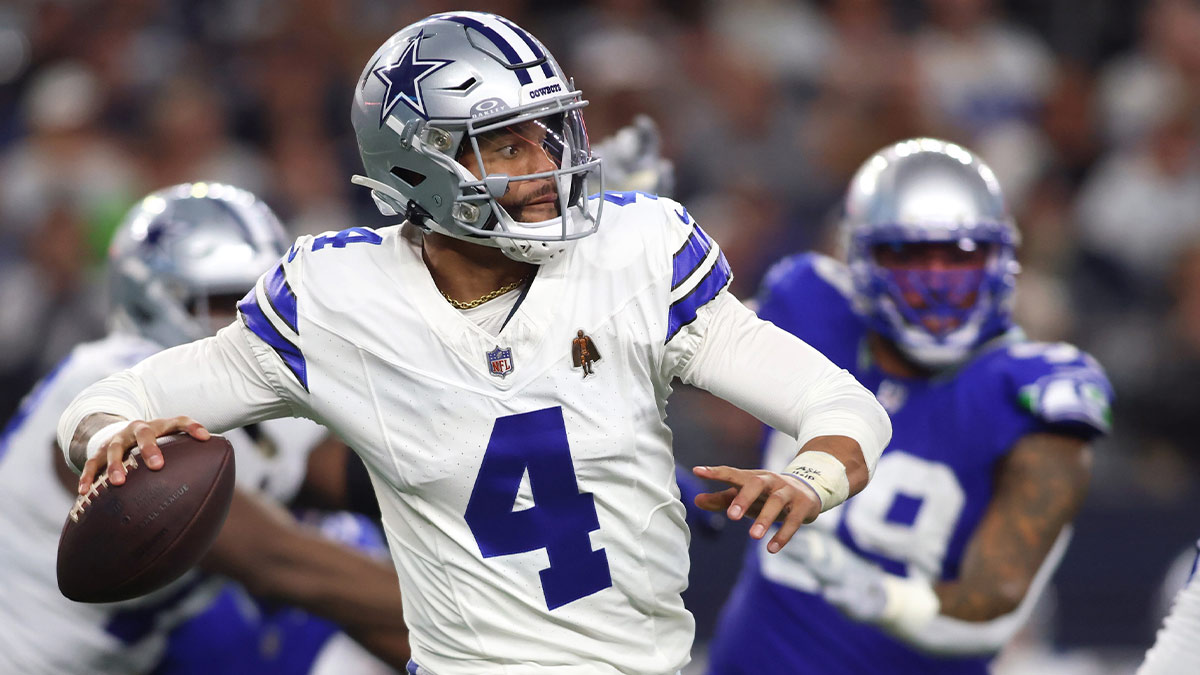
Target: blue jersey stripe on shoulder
<point x="689" y="258"/>
<point x="498" y="40"/>
<point x="257" y="322"/>
<point x="683" y="311"/>
<point x="281" y="297"/>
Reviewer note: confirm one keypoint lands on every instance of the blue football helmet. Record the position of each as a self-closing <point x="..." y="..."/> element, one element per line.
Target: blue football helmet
<point x="926" y="191"/>
<point x="181" y="247"/>
<point x="427" y="97"/>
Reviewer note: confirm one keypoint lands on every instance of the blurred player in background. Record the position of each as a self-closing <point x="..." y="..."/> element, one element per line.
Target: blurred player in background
<point x="178" y="263"/>
<point x="938" y="563"/>
<point x="533" y="516"/>
<point x="1177" y="646"/>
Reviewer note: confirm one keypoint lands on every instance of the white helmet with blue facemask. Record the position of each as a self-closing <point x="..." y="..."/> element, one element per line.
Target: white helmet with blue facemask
<point x="925" y="191"/>
<point x="427" y="97"/>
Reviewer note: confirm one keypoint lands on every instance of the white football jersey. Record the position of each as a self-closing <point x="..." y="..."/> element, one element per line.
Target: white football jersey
<point x="532" y="512"/>
<point x="40" y="630"/>
<point x="1177" y="645"/>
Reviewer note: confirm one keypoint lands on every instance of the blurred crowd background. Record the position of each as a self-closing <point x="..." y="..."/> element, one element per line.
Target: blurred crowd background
<point x="1088" y="110"/>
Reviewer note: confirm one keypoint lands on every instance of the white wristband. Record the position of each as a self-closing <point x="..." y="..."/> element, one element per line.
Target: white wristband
<point x="911" y="604"/>
<point x="824" y="473"/>
<point x="101" y="437"/>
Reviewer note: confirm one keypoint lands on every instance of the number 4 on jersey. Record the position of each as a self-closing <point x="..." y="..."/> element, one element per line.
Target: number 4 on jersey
<point x="561" y="517"/>
<point x="353" y="235"/>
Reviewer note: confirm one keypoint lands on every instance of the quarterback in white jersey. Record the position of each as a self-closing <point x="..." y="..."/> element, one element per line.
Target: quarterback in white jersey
<point x="501" y="362"/>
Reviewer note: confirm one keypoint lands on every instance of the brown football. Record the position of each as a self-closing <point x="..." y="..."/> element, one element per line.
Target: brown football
<point x="121" y="542"/>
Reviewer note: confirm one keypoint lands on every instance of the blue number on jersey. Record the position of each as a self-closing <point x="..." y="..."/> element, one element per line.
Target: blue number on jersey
<point x="561" y="517"/>
<point x="354" y="235"/>
<point x="624" y="198"/>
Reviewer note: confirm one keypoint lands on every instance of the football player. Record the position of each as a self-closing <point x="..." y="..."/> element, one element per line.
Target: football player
<point x="533" y="515"/>
<point x="1177" y="646"/>
<point x="935" y="566"/>
<point x="177" y="264"/>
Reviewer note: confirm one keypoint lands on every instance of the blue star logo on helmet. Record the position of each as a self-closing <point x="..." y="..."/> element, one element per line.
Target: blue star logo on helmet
<point x="403" y="79"/>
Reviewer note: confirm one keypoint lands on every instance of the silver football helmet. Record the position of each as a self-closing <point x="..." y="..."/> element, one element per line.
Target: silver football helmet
<point x="180" y="248"/>
<point x="427" y="97"/>
<point x="922" y="191"/>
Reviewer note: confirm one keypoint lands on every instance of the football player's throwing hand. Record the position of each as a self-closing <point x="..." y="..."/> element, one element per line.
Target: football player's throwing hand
<point x="144" y="436"/>
<point x="765" y="495"/>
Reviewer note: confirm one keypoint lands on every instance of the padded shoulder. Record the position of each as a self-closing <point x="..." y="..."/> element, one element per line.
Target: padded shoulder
<point x="1057" y="384"/>
<point x="271" y="309"/>
<point x="673" y="248"/>
<point x="809" y="295"/>
<point x="660" y="224"/>
<point x="806" y="272"/>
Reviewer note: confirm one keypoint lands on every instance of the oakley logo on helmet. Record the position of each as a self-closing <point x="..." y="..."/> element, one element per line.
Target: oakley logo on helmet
<point x="403" y="79"/>
<point x="488" y="106"/>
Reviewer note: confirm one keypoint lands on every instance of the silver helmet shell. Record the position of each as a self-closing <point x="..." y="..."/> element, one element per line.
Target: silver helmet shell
<point x="428" y="94"/>
<point x="926" y="190"/>
<point x="182" y="245"/>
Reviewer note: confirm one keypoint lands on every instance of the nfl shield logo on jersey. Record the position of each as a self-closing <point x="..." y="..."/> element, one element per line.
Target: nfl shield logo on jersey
<point x="500" y="362"/>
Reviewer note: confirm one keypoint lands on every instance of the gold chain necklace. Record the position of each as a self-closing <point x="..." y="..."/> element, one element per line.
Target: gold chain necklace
<point x="490" y="295"/>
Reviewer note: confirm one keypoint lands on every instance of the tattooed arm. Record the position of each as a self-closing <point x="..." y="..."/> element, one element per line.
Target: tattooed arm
<point x="1013" y="552"/>
<point x="1039" y="488"/>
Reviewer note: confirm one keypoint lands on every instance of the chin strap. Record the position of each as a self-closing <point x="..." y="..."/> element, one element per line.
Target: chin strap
<point x="378" y="192"/>
<point x="387" y="200"/>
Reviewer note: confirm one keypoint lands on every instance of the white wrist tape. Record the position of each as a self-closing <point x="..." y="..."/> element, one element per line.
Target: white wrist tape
<point x="911" y="604"/>
<point x="101" y="437"/>
<point x="824" y="473"/>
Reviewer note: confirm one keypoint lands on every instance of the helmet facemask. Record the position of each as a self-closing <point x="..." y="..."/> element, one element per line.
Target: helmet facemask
<point x="497" y="203"/>
<point x="936" y="313"/>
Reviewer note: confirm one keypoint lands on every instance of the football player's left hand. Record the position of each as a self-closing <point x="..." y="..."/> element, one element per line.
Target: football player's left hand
<point x="848" y="582"/>
<point x="765" y="495"/>
<point x="902" y="606"/>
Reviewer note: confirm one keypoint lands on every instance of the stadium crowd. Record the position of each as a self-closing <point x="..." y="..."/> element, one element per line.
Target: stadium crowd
<point x="1089" y="111"/>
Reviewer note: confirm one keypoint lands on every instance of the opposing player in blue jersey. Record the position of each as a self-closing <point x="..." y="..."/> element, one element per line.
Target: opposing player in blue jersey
<point x="934" y="567"/>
